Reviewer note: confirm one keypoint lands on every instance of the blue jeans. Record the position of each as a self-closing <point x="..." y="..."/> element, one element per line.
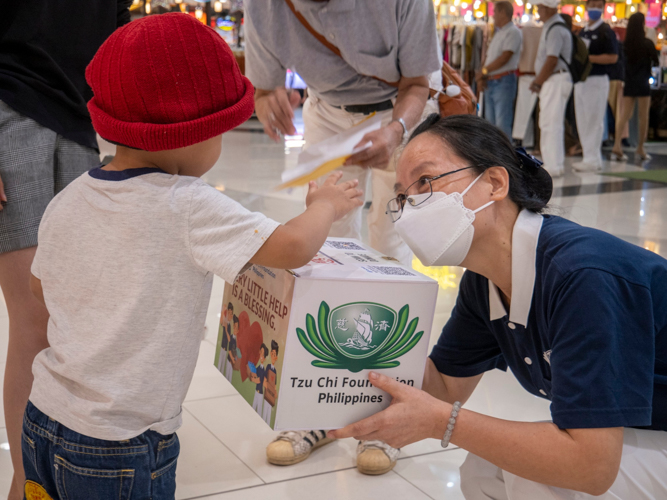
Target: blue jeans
<point x="71" y="466"/>
<point x="499" y="98"/>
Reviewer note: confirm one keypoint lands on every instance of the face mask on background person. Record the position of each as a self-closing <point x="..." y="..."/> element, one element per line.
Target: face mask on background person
<point x="594" y="14"/>
<point x="439" y="231"/>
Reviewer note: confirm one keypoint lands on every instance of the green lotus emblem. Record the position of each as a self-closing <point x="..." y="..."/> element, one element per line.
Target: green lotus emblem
<point x="359" y="336"/>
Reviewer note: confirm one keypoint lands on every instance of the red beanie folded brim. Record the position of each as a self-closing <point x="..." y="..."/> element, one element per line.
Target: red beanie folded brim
<point x="160" y="137"/>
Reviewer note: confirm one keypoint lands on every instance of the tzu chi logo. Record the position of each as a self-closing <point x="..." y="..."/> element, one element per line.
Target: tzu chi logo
<point x="359" y="336"/>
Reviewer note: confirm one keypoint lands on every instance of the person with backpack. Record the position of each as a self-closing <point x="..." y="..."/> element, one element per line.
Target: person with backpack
<point x="553" y="83"/>
<point x="357" y="59"/>
<point x="590" y="96"/>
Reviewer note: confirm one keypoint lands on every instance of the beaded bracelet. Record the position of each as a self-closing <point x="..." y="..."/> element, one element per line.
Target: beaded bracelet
<point x="450" y="426"/>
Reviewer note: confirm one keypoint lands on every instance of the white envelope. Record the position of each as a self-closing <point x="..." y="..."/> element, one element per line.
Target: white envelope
<point x="330" y="154"/>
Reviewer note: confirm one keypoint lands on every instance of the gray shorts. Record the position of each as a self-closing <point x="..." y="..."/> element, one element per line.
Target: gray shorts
<point x="35" y="165"/>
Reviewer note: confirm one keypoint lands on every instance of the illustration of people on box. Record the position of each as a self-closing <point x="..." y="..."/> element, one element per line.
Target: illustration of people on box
<point x="233" y="353"/>
<point x="271" y="375"/>
<point x="257" y="373"/>
<point x="244" y="350"/>
<point x="226" y="319"/>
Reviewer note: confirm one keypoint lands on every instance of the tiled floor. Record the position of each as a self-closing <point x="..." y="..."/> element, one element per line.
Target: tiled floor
<point x="222" y="438"/>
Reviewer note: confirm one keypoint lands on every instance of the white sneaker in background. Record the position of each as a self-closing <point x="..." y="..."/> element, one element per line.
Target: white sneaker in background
<point x="582" y="166"/>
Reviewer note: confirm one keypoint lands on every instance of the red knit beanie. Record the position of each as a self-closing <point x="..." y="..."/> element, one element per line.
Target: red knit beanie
<point x="164" y="82"/>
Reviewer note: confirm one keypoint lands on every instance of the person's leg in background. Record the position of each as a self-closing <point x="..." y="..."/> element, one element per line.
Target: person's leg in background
<point x="26" y="169"/>
<point x="641" y="475"/>
<point x="40" y="165"/>
<point x="490" y="101"/>
<point x="644" y="104"/>
<point x="321" y="122"/>
<point x="504" y="103"/>
<point x="590" y="105"/>
<point x="553" y="100"/>
<point x="627" y="108"/>
<point x="27" y="337"/>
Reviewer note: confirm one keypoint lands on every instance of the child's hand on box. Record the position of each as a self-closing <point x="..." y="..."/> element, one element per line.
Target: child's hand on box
<point x="343" y="197"/>
<point x="293" y="245"/>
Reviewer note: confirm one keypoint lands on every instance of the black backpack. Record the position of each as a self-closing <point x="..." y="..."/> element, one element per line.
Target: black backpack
<point x="580" y="65"/>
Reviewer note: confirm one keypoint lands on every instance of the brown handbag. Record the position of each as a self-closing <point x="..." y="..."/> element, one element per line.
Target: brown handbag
<point x="463" y="104"/>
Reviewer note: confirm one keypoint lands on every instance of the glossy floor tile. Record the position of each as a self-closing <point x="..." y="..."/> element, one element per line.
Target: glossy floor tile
<point x="223" y="440"/>
<point x="334" y="486"/>
<point x="436" y="475"/>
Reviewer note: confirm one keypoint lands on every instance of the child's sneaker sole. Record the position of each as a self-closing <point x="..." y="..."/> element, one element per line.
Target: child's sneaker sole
<point x="282" y="452"/>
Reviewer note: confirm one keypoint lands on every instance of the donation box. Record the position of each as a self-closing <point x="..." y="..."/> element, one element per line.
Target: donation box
<point x="298" y="345"/>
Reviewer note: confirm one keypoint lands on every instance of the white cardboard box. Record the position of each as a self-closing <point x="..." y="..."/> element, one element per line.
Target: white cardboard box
<point x="325" y="327"/>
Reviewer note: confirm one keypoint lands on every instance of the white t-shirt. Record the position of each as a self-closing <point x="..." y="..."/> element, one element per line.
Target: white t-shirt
<point x="126" y="261"/>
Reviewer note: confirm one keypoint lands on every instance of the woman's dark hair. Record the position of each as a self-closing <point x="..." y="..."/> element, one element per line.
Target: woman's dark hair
<point x="483" y="146"/>
<point x="568" y="20"/>
<point x="635" y="36"/>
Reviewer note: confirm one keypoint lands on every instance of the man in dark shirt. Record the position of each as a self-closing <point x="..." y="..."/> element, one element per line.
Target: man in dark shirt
<point x="590" y="96"/>
<point x="46" y="141"/>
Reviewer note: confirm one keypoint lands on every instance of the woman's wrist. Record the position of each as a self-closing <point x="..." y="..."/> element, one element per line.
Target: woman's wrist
<point x="442" y="419"/>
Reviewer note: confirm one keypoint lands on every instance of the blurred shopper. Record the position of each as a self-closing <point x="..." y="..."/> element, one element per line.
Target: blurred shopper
<point x="591" y="95"/>
<point x="640" y="56"/>
<point x="46" y="141"/>
<point x="357" y="59"/>
<point x="553" y="83"/>
<point x="572" y="144"/>
<point x="499" y="74"/>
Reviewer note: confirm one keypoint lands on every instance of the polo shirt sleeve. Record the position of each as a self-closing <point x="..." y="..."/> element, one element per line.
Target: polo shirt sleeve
<point x="512" y="42"/>
<point x="556" y="40"/>
<point x="603" y="352"/>
<point x="262" y="66"/>
<point x="418" y="53"/>
<point x="466" y="346"/>
<point x="222" y="235"/>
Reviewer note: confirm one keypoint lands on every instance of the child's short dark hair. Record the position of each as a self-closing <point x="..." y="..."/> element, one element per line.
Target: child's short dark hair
<point x="230" y="306"/>
<point x="264" y="349"/>
<point x="235" y="319"/>
<point x="274" y="346"/>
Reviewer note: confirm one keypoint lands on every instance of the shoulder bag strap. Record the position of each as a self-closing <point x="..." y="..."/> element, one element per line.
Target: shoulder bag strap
<point x="325" y="42"/>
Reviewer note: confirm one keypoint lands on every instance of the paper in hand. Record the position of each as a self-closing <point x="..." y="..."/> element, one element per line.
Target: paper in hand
<point x="330" y="154"/>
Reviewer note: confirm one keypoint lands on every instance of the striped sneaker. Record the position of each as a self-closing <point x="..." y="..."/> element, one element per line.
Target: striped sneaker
<point x="376" y="457"/>
<point x="292" y="447"/>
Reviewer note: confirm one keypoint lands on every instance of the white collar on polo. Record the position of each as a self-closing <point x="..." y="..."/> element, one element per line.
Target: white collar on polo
<point x="594" y="26"/>
<point x="524" y="246"/>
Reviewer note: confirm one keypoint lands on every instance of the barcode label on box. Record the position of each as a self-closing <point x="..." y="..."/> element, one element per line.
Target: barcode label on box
<point x="388" y="270"/>
<point x="343" y="245"/>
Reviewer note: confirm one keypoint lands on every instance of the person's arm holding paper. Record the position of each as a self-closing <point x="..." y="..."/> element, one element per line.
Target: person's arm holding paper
<point x="418" y="56"/>
<point x="410" y="102"/>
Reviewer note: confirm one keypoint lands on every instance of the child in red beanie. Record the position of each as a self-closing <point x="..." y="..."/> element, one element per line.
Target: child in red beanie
<point x="126" y="258"/>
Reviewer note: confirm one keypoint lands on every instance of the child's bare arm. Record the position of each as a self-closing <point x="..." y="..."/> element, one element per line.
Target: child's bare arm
<point x="294" y="244"/>
<point x="36" y="288"/>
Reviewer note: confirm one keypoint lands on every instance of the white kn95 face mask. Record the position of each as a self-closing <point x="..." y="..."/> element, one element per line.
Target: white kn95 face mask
<point x="439" y="231"/>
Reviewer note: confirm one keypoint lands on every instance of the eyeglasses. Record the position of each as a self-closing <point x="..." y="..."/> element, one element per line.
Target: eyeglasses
<point x="421" y="186"/>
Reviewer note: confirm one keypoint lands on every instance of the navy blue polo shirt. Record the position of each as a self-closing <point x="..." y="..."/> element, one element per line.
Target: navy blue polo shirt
<point x="593" y="339"/>
<point x="600" y="40"/>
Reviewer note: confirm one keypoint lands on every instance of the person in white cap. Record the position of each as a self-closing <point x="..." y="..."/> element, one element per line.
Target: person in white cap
<point x="553" y="83"/>
<point x="590" y="96"/>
